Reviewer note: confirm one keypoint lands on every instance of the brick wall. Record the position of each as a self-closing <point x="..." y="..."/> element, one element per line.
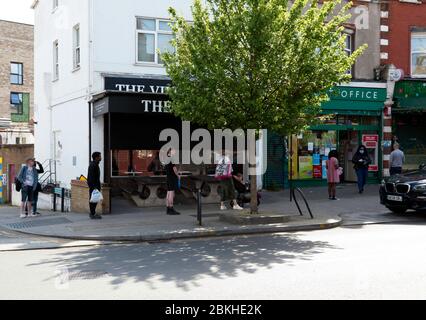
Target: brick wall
<point x="398" y="18"/>
<point x="80" y="198"/>
<point x="13" y="155"/>
<point x="16" y="45"/>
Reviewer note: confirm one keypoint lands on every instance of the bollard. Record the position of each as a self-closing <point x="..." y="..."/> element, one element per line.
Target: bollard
<point x="63" y="200"/>
<point x="199" y="210"/>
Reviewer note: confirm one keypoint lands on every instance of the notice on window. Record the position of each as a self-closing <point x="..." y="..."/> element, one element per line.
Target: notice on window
<point x="306" y="167"/>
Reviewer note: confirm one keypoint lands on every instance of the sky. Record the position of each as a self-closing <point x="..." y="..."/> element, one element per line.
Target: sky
<point x="17" y="10"/>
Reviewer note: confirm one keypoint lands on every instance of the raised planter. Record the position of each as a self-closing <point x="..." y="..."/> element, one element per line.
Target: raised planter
<point x="80" y="198"/>
<point x="246" y="218"/>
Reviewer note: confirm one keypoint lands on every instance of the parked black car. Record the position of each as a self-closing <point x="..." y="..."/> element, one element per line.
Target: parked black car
<point x="403" y="192"/>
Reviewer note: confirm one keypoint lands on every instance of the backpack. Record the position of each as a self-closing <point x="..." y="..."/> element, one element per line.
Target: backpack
<point x="18" y="184"/>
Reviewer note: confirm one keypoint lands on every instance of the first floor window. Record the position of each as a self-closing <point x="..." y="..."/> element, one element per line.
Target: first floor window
<point x="16" y="103"/>
<point x="418" y="54"/>
<point x="76" y="46"/>
<point x="55" y="60"/>
<point x="16" y="73"/>
<point x="154" y="37"/>
<point x="349" y="47"/>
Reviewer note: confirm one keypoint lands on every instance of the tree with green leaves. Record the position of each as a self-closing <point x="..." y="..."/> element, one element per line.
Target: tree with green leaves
<point x="257" y="64"/>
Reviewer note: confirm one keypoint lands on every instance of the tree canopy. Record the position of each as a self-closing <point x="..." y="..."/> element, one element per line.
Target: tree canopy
<point x="255" y="64"/>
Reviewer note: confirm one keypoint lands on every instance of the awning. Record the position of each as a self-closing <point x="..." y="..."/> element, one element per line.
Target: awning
<point x="366" y="108"/>
<point x="410" y="105"/>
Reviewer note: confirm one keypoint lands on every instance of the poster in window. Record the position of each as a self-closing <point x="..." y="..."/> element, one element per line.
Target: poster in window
<point x="305" y="167"/>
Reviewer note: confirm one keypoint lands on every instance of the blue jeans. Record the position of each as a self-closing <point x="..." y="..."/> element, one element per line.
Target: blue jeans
<point x="362" y="175"/>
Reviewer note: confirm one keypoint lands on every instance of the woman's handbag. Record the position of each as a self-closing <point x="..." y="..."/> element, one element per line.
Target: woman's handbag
<point x="340" y="171"/>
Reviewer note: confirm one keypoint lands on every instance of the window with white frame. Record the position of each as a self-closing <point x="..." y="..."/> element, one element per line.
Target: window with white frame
<point x="153" y="35"/>
<point x="55" y="60"/>
<point x="76" y="47"/>
<point x="349" y="46"/>
<point x="418" y="54"/>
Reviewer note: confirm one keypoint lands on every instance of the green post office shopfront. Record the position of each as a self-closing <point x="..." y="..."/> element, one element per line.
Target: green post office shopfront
<point x="355" y="117"/>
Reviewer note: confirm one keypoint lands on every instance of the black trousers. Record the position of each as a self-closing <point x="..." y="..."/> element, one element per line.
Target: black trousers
<point x="395" y="170"/>
<point x="92" y="205"/>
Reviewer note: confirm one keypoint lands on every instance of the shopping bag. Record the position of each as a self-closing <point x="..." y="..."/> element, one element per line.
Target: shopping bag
<point x="96" y="196"/>
<point x="223" y="171"/>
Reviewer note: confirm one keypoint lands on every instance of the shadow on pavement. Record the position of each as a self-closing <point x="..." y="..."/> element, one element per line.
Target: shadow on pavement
<point x="185" y="262"/>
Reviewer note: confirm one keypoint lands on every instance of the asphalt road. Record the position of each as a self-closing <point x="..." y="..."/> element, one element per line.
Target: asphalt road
<point x="353" y="262"/>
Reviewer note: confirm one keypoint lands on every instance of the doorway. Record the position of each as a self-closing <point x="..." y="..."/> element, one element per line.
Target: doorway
<point x="348" y="145"/>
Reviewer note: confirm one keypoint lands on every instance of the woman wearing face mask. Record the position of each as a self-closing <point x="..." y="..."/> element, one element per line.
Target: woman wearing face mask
<point x="361" y="162"/>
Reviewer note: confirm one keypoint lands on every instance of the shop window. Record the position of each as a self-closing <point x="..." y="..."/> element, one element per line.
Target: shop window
<point x="418" y="54"/>
<point x="154" y="37"/>
<point x="16" y="73"/>
<point x="309" y="151"/>
<point x="136" y="163"/>
<point x="348" y="120"/>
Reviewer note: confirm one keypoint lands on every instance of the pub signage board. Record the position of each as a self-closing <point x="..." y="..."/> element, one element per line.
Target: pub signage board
<point x="137" y="85"/>
<point x="144" y="96"/>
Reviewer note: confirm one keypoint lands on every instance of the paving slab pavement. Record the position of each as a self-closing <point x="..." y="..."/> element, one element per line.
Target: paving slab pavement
<point x="152" y="224"/>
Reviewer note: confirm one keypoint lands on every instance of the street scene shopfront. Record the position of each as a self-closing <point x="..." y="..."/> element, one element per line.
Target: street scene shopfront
<point x="134" y="112"/>
<point x="409" y="121"/>
<point x="354" y="117"/>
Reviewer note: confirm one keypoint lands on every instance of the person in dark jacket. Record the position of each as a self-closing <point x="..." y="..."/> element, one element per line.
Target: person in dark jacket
<point x="40" y="170"/>
<point x="94" y="182"/>
<point x="361" y="161"/>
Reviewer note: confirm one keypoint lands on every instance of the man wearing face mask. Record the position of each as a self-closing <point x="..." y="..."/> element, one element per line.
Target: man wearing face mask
<point x="361" y="161"/>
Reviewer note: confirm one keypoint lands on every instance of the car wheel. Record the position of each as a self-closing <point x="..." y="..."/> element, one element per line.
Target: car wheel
<point x="398" y="210"/>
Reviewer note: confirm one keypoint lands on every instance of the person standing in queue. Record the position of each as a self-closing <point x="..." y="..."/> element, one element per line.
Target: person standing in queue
<point x="94" y="182"/>
<point x="397" y="159"/>
<point x="333" y="174"/>
<point x="173" y="182"/>
<point x="361" y="161"/>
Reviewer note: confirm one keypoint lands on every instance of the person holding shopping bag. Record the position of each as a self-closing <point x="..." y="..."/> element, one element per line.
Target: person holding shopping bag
<point x="224" y="175"/>
<point x="94" y="183"/>
<point x="361" y="161"/>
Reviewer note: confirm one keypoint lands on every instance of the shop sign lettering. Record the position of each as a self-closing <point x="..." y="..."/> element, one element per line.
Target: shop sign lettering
<point x="360" y="94"/>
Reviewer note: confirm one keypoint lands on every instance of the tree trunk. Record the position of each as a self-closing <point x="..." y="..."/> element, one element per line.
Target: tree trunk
<point x="253" y="190"/>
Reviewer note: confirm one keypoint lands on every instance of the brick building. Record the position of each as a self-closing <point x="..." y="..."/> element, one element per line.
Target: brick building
<point x="403" y="45"/>
<point x="16" y="100"/>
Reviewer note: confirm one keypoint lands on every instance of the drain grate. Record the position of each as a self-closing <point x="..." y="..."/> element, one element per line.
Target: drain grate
<point x="87" y="275"/>
<point x="38" y="223"/>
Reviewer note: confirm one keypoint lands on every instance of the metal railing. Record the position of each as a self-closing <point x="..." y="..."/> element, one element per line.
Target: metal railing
<point x="49" y="175"/>
<point x="300" y="192"/>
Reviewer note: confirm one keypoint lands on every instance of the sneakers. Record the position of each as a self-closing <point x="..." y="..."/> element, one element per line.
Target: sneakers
<point x="23" y="216"/>
<point x="223" y="208"/>
<point x="237" y="207"/>
<point x="35" y="215"/>
<point x="95" y="217"/>
<point x="172" y="212"/>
